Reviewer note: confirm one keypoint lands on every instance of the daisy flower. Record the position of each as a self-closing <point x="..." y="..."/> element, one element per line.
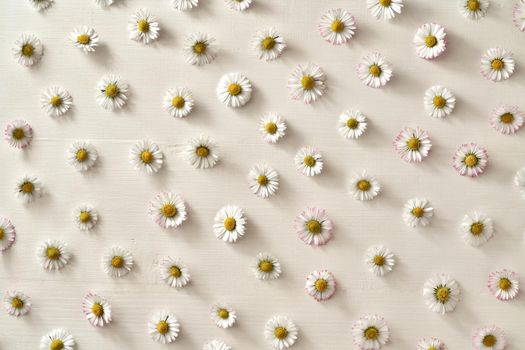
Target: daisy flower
<point x="234" y="90"/>
<point x="97" y="310"/>
<point x="268" y="44"/>
<point x="223" y="316"/>
<point x="104" y="3"/>
<point x="84" y="38"/>
<point x="57" y="339"/>
<point x="489" y="338"/>
<point x="281" y="332"/>
<point x="238" y="5"/>
<point x="263" y="180"/>
<point x="497" y="64"/>
<point x="28" y="50"/>
<point x="337" y="26"/>
<point x="117" y="262"/>
<point x="370" y="332"/>
<point x="431" y="344"/>
<point x="82" y="155"/>
<point x="56" y="101"/>
<point x="164" y="327"/>
<point x="352" y="124"/>
<point x="470" y="160"/>
<point x="86" y="217"/>
<point x="439" y="101"/>
<point x="307" y="83"/>
<point x="473" y="9"/>
<point x="201" y="152"/>
<point x="111" y="92"/>
<point x="380" y="260"/>
<point x="374" y="70"/>
<point x="507" y="119"/>
<point x="309" y="161"/>
<point x="146" y="156"/>
<point x="174" y="272"/>
<point x="143" y="27"/>
<point x="216" y="345"/>
<point x="53" y="254"/>
<point x="18" y="134"/>
<point x="441" y="293"/>
<point x="504" y="285"/>
<point x="417" y="212"/>
<point x="168" y="210"/>
<point x="430" y="41"/>
<point x="28" y="188"/>
<point x="519" y="181"/>
<point x="266" y="267"/>
<point x="230" y="223"/>
<point x="518" y="15"/>
<point x="17" y="303"/>
<point x="184" y="5"/>
<point x="7" y="234"/>
<point x="41" y="4"/>
<point x="320" y="285"/>
<point x="477" y="228"/>
<point x="364" y="186"/>
<point x="412" y="145"/>
<point x="200" y="49"/>
<point x="313" y="226"/>
<point x="178" y="102"/>
<point x="384" y="9"/>
<point x="272" y="127"/>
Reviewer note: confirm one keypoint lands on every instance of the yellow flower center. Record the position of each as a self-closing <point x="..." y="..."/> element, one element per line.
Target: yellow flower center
<point x="307" y="82"/>
<point x="473" y="5"/>
<point x="202" y="151"/>
<point x="97" y="309"/>
<point x="84" y="216"/>
<point x="53" y="253"/>
<point x="223" y="313"/>
<point x="163" y="327"/>
<point x="313" y="226"/>
<point x="497" y="64"/>
<point x="18" y="133"/>
<point x="413" y="143"/>
<point x="418" y="212"/>
<point x="81" y="155"/>
<point x="146" y="156"/>
<point x="199" y="48"/>
<point x="431" y="41"/>
<point x="230" y="223"/>
<point x="2" y="233"/>
<point x="439" y="101"/>
<point x="507" y="118"/>
<point x="371" y="333"/>
<point x="178" y="102"/>
<point x="17" y="303"/>
<point x="169" y="210"/>
<point x="352" y="123"/>
<point x="268" y="43"/>
<point x="262" y="180"/>
<point x="55" y="101"/>
<point x="234" y="89"/>
<point x="471" y="160"/>
<point x="143" y="26"/>
<point x="271" y="128"/>
<point x="337" y="26"/>
<point x="442" y="294"/>
<point x="432" y="347"/>
<point x="27" y="50"/>
<point x="375" y="70"/>
<point x="56" y="344"/>
<point x="117" y="262"/>
<point x="83" y="39"/>
<point x="379" y="260"/>
<point x="280" y="333"/>
<point x="112" y="90"/>
<point x="175" y="271"/>
<point x="504" y="284"/>
<point x="363" y="185"/>
<point x="27" y="187"/>
<point x="321" y="285"/>
<point x="489" y="340"/>
<point x="265" y="266"/>
<point x="476" y="228"/>
<point x="309" y="161"/>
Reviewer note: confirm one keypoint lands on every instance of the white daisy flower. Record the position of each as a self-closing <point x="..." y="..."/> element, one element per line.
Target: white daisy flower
<point x="82" y="155"/>
<point x="184" y="5"/>
<point x="223" y="316"/>
<point x="104" y="3"/>
<point x="178" y="102"/>
<point x="519" y="181"/>
<point x="313" y="226"/>
<point x="53" y="254"/>
<point x="18" y="134"/>
<point x="337" y="26"/>
<point x="7" y="234"/>
<point x="470" y="160"/>
<point x="380" y="260"/>
<point x="370" y="332"/>
<point x="238" y="5"/>
<point x="56" y="101"/>
<point x="430" y="344"/>
<point x="307" y="83"/>
<point x="111" y="92"/>
<point x="200" y="49"/>
<point x="430" y="41"/>
<point x="164" y="327"/>
<point x="272" y="127"/>
<point x="86" y="217"/>
<point x="168" y="210"/>
<point x="374" y="70"/>
<point x="320" y="285"/>
<point x="309" y="161"/>
<point x="504" y="284"/>
<point x="16" y="303"/>
<point x="439" y="101"/>
<point x="473" y="9"/>
<point x="117" y="262"/>
<point x="28" y="50"/>
<point x="230" y="223"/>
<point x="412" y="145"/>
<point x="477" y="229"/>
<point x="441" y="293"/>
<point x="268" y="44"/>
<point x="85" y="38"/>
<point x="352" y="124"/>
<point x="507" y="119"/>
<point x="143" y="27"/>
<point x="489" y="338"/>
<point x="497" y="64"/>
<point x="281" y="332"/>
<point x="41" y="4"/>
<point x="518" y="15"/>
<point x="266" y="267"/>
<point x="234" y="90"/>
<point x="97" y="310"/>
<point x="57" y="339"/>
<point x="384" y="9"/>
<point x="202" y="152"/>
<point x="28" y="188"/>
<point x="216" y="345"/>
<point x="263" y="180"/>
<point x="146" y="156"/>
<point x="364" y="186"/>
<point x="174" y="272"/>
<point x="417" y="212"/>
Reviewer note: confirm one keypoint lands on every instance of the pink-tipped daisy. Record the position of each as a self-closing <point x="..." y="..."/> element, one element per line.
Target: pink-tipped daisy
<point x="518" y="15"/>
<point x="313" y="226"/>
<point x="497" y="64"/>
<point x="97" y="310"/>
<point x="7" y="234"/>
<point x="370" y="332"/>
<point x="168" y="210"/>
<point x="413" y="145"/>
<point x="507" y="119"/>
<point x="430" y="344"/>
<point x="17" y="303"/>
<point x="470" y="160"/>
<point x="337" y="26"/>
<point x="430" y="41"/>
<point x="320" y="285"/>
<point x="504" y="284"/>
<point x="18" y="134"/>
<point x="489" y="338"/>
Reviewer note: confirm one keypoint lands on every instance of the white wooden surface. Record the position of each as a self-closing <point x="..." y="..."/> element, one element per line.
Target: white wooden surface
<point x="220" y="271"/>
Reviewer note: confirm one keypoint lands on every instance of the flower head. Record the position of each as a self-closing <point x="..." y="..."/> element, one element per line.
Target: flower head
<point x="320" y="285"/>
<point x="57" y="339"/>
<point x="117" y="262"/>
<point x="97" y="310"/>
<point x="16" y="303"/>
<point x="53" y="254"/>
<point x="413" y="145"/>
<point x="164" y="327"/>
<point x="18" y="134"/>
<point x="497" y="64"/>
<point x="307" y="83"/>
<point x="504" y="284"/>
<point x="489" y="338"/>
<point x="263" y="180"/>
<point x="178" y="102"/>
<point x="82" y="155"/>
<point x="313" y="226"/>
<point x="417" y="212"/>
<point x="234" y="90"/>
<point x="272" y="127"/>
<point x="143" y="27"/>
<point x="430" y="41"/>
<point x="86" y="217"/>
<point x="441" y="293"/>
<point x="268" y="44"/>
<point x="28" y="188"/>
<point x="309" y="161"/>
<point x="364" y="186"/>
<point x="473" y="9"/>
<point x="374" y="70"/>
<point x="281" y="332"/>
<point x="230" y="223"/>
<point x="168" y="210"/>
<point x="56" y="101"/>
<point x="380" y="260"/>
<point x="507" y="119"/>
<point x="370" y="332"/>
<point x="439" y="101"/>
<point x="7" y="234"/>
<point x="200" y="49"/>
<point x="337" y="26"/>
<point x="352" y="124"/>
<point x="266" y="267"/>
<point x="146" y="156"/>
<point x="477" y="228"/>
<point x="174" y="272"/>
<point x="470" y="160"/>
<point x="111" y="92"/>
<point x="85" y="38"/>
<point x="202" y="152"/>
<point x="223" y="316"/>
<point x="28" y="50"/>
